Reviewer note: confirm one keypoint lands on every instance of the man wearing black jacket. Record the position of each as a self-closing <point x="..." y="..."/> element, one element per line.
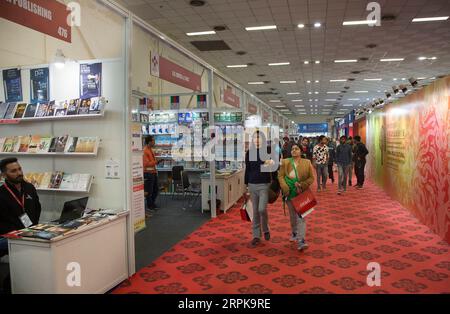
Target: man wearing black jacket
<point x="360" y="153"/>
<point x="19" y="202"/>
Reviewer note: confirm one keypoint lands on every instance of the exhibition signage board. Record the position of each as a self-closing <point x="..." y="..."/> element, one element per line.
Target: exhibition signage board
<point x="90" y="80"/>
<point x="138" y="196"/>
<point x="313" y="128"/>
<point x="201" y="101"/>
<point x="173" y="73"/>
<point x="12" y="84"/>
<point x="46" y="16"/>
<point x="231" y="99"/>
<point x="251" y="108"/>
<point x="174" y="102"/>
<point x="39" y="85"/>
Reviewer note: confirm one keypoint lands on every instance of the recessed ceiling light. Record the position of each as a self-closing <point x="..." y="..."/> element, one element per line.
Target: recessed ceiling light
<point x="328" y="105"/>
<point x="348" y="105"/>
<point x="354" y="99"/>
<point x="395" y="79"/>
<point x="330" y="99"/>
<point x="317" y="62"/>
<point x="296" y="93"/>
<point x="338" y="80"/>
<point x="299" y="106"/>
<point x="316" y="81"/>
<point x="421" y="78"/>
<point x="333" y="92"/>
<point x="306" y="62"/>
<point x="345" y="61"/>
<point x="317" y="93"/>
<point x="288" y="82"/>
<point x="317" y="25"/>
<point x="374" y="79"/>
<point x="201" y="33"/>
<point x="237" y="66"/>
<point x="261" y="28"/>
<point x="301" y="25"/>
<point x="392" y="60"/>
<point x="280" y="106"/>
<point x="361" y="91"/>
<point x="430" y="19"/>
<point x="363" y="22"/>
<point x="309" y="93"/>
<point x="280" y="63"/>
<point x="297" y="100"/>
<point x="309" y="82"/>
<point x="255" y="83"/>
<point x="275" y="100"/>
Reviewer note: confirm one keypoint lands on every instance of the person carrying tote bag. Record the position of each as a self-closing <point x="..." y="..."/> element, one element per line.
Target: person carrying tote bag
<point x="296" y="176"/>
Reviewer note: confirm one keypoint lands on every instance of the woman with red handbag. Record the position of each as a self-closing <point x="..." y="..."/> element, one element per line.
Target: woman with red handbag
<point x="295" y="177"/>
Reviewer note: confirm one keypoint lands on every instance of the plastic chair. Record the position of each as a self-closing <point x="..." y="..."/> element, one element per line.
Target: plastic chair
<point x="188" y="188"/>
<point x="177" y="180"/>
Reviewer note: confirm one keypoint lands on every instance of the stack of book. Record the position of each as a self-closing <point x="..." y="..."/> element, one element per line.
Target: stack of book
<point x="52" y="109"/>
<point x="59" y="180"/>
<point x="33" y="144"/>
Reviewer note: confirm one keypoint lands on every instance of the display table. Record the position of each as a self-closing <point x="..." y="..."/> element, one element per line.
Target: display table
<point x="100" y="250"/>
<point x="229" y="189"/>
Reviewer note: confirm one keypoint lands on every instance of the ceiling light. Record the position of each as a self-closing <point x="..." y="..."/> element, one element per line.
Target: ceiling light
<point x="317" y="62"/>
<point x="280" y="106"/>
<point x="274" y="100"/>
<point x="363" y="22"/>
<point x="296" y="93"/>
<point x="348" y="105"/>
<point x="317" y="93"/>
<point x="317" y="25"/>
<point x="201" y="33"/>
<point x="328" y="105"/>
<point x="297" y="100"/>
<point x="301" y="25"/>
<point x="421" y="78"/>
<point x="261" y="28"/>
<point x="361" y="91"/>
<point x="338" y="80"/>
<point x="306" y="62"/>
<point x="255" y="83"/>
<point x="299" y="106"/>
<point x="280" y="63"/>
<point x="237" y="66"/>
<point x="430" y="19"/>
<point x="345" y="61"/>
<point x="422" y="58"/>
<point x="375" y="79"/>
<point x="395" y="79"/>
<point x="317" y="81"/>
<point x="354" y="99"/>
<point x="309" y="93"/>
<point x="330" y="99"/>
<point x="288" y="82"/>
<point x="333" y="92"/>
<point x="392" y="60"/>
<point x="60" y="59"/>
<point x="309" y="82"/>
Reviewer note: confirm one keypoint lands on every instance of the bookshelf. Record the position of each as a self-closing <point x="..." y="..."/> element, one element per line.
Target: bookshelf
<point x="53" y="118"/>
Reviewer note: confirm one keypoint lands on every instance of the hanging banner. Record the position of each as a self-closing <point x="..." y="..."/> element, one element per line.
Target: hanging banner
<point x="45" y="16"/>
<point x="231" y="99"/>
<point x="173" y="73"/>
<point x="265" y="115"/>
<point x="39" y="85"/>
<point x="138" y="202"/>
<point x="201" y="101"/>
<point x="174" y="102"/>
<point x="313" y="128"/>
<point x="12" y="84"/>
<point x="251" y="108"/>
<point x="90" y="80"/>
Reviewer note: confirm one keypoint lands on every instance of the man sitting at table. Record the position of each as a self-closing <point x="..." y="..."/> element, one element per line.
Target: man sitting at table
<point x="19" y="203"/>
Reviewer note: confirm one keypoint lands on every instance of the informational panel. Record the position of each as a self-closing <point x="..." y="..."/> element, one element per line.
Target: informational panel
<point x="39" y="85"/>
<point x="12" y="85"/>
<point x="138" y="202"/>
<point x="313" y="128"/>
<point x="90" y="80"/>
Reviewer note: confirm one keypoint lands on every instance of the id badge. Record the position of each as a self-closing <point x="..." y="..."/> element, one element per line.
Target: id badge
<point x="26" y="221"/>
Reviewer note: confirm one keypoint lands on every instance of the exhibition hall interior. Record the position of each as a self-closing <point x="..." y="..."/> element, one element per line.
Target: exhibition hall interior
<point x="225" y="147"/>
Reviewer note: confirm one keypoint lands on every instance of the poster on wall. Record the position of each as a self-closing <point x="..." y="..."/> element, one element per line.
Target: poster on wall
<point x="39" y="85"/>
<point x="138" y="202"/>
<point x="12" y="85"/>
<point x="174" y="102"/>
<point x="136" y="137"/>
<point x="90" y="80"/>
<point x="154" y="64"/>
<point x="201" y="101"/>
<point x="230" y="98"/>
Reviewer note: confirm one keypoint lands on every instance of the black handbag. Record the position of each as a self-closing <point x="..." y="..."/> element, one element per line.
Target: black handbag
<point x="274" y="189"/>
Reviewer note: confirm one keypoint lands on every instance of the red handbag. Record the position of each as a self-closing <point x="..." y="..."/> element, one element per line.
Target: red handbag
<point x="304" y="203"/>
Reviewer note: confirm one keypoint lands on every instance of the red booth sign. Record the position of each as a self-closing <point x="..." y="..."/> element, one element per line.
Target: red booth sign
<point x="251" y="108"/>
<point x="176" y="74"/>
<point x="231" y="99"/>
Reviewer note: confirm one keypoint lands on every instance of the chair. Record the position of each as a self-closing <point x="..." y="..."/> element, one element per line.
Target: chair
<point x="188" y="188"/>
<point x="177" y="180"/>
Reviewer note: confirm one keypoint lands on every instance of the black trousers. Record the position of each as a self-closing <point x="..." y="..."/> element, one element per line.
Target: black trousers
<point x="151" y="187"/>
<point x="330" y="172"/>
<point x="359" y="171"/>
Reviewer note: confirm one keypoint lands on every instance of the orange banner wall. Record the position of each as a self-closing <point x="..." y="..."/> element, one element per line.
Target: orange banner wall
<point x="409" y="154"/>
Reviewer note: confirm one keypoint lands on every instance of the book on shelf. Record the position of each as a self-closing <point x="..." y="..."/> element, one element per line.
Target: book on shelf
<point x="51" y="107"/>
<point x="41" y="110"/>
<point x="75" y="181"/>
<point x="97" y="105"/>
<point x="86" y="145"/>
<point x="74" y="105"/>
<point x="144" y="117"/>
<point x="83" y="182"/>
<point x="30" y="112"/>
<point x="56" y="180"/>
<point x="20" y="111"/>
<point x="2" y="143"/>
<point x="61" y="142"/>
<point x="10" y="111"/>
<point x="71" y="144"/>
<point x="52" y="147"/>
<point x="44" y="145"/>
<point x="10" y="144"/>
<point x="23" y="143"/>
<point x="45" y="181"/>
<point x="85" y="104"/>
<point x="3" y="108"/>
<point x="60" y="112"/>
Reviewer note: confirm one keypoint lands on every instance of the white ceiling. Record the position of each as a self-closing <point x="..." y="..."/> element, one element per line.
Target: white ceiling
<point x="394" y="39"/>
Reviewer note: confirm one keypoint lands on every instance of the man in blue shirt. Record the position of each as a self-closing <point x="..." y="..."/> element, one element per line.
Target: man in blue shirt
<point x="344" y="163"/>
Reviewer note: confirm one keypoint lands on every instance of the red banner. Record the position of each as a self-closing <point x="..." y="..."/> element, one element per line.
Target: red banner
<point x="9" y="121"/>
<point x="176" y="74"/>
<point x="231" y="99"/>
<point x="251" y="108"/>
<point x="265" y="115"/>
<point x="45" y="16"/>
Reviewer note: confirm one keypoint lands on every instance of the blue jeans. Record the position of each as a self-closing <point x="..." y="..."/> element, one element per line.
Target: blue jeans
<point x="259" y="194"/>
<point x="322" y="175"/>
<point x="3" y="244"/>
<point x="151" y="187"/>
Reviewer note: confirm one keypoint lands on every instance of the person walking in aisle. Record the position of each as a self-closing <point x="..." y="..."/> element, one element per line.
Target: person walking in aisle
<point x="150" y="173"/>
<point x="350" y="175"/>
<point x="286" y="151"/>
<point x="296" y="176"/>
<point x="331" y="160"/>
<point x="360" y="153"/>
<point x="306" y="152"/>
<point x="320" y="162"/>
<point x="344" y="163"/>
<point x="258" y="174"/>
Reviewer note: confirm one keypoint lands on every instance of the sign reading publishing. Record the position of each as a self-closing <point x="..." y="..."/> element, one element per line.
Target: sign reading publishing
<point x="45" y="16"/>
<point x="313" y="128"/>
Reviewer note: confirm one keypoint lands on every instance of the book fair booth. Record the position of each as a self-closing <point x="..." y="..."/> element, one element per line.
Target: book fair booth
<point x="75" y="109"/>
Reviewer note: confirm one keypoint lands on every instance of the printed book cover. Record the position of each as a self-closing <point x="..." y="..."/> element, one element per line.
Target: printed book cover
<point x="30" y="112"/>
<point x="10" y="111"/>
<point x="41" y="110"/>
<point x="86" y="145"/>
<point x="74" y="105"/>
<point x="20" y="111"/>
<point x="44" y="145"/>
<point x="71" y="144"/>
<point x="61" y="142"/>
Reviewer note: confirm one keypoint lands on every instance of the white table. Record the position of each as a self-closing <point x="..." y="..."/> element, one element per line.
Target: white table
<point x="100" y="250"/>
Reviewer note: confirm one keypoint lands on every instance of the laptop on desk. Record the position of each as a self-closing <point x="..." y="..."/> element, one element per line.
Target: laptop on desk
<point x="73" y="210"/>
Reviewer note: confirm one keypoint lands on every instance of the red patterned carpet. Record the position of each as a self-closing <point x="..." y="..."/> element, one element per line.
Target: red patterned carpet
<point x="345" y="233"/>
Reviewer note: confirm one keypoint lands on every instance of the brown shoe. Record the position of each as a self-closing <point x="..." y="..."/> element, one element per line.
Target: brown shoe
<point x="255" y="242"/>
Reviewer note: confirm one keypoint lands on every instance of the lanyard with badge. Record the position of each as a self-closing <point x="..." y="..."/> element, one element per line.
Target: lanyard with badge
<point x="24" y="218"/>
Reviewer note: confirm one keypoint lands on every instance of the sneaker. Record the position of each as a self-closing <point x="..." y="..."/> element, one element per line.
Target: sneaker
<point x="350" y="183"/>
<point x="359" y="187"/>
<point x="324" y="189"/>
<point x="318" y="190"/>
<point x="267" y="236"/>
<point x="293" y="237"/>
<point x="255" y="242"/>
<point x="302" y="245"/>
<point x="339" y="192"/>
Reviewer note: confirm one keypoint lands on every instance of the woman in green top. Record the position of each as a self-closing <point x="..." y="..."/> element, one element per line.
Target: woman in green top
<point x="296" y="176"/>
